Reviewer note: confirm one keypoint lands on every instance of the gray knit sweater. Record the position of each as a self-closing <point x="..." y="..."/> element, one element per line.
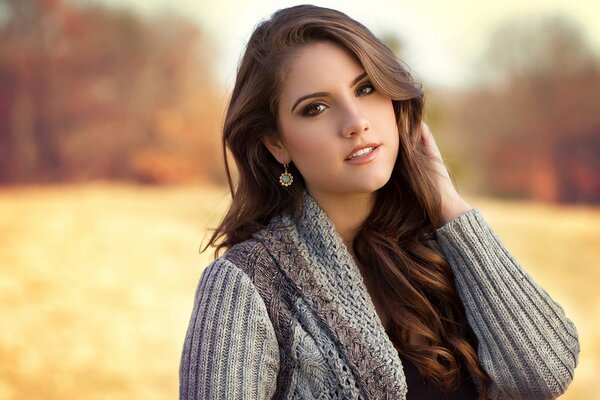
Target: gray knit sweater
<point x="286" y="315"/>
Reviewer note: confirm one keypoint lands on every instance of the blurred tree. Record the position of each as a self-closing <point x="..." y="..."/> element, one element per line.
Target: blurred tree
<point x="27" y="131"/>
<point x="91" y="92"/>
<point x="536" y="124"/>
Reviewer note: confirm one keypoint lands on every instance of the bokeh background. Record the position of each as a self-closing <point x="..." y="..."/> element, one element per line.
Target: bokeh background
<point x="111" y="174"/>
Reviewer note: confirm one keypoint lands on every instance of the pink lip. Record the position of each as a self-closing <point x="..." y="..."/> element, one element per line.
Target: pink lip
<point x="360" y="146"/>
<point x="364" y="158"/>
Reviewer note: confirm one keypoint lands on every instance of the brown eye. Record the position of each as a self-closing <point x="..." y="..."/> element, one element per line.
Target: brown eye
<point x="314" y="109"/>
<point x="365" y="89"/>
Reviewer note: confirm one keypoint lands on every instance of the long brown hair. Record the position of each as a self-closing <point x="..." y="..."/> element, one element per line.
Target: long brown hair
<point x="396" y="243"/>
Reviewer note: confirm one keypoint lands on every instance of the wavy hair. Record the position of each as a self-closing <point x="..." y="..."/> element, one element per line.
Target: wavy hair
<point x="396" y="243"/>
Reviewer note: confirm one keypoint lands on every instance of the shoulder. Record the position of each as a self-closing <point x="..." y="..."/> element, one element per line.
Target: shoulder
<point x="245" y="253"/>
<point x="256" y="255"/>
<point x="253" y="263"/>
<point x="237" y="264"/>
<point x="230" y="282"/>
<point x="248" y="256"/>
<point x="229" y="330"/>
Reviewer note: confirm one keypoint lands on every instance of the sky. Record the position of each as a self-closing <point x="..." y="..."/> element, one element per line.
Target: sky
<point x="443" y="40"/>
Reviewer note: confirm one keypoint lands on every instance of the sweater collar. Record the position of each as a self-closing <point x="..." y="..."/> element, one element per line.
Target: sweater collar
<point x="314" y="257"/>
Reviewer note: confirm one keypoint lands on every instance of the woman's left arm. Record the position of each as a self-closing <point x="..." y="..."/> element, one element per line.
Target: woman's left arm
<point x="526" y="343"/>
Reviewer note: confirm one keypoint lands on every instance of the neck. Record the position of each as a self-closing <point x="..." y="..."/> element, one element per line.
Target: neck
<point x="346" y="211"/>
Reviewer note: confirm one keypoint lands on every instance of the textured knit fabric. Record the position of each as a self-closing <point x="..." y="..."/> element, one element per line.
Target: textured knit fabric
<point x="286" y="315"/>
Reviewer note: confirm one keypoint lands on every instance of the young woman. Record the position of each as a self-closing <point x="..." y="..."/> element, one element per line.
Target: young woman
<point x="353" y="269"/>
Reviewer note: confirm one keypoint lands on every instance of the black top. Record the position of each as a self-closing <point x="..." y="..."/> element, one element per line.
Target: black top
<point x="418" y="389"/>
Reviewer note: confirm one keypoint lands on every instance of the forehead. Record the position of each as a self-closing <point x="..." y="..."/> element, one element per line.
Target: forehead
<point x="319" y="66"/>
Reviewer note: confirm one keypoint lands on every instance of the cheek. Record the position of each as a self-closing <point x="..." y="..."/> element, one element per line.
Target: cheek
<point x="300" y="143"/>
<point x="387" y="126"/>
<point x="384" y="118"/>
<point x="385" y="111"/>
<point x="308" y="141"/>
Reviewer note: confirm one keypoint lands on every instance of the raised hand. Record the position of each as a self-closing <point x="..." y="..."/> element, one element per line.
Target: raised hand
<point x="453" y="205"/>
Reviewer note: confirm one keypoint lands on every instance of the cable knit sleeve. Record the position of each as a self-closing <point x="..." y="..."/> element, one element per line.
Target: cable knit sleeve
<point x="526" y="343"/>
<point x="230" y="349"/>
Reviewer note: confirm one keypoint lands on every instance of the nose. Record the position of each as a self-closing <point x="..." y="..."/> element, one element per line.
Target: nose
<point x="354" y="120"/>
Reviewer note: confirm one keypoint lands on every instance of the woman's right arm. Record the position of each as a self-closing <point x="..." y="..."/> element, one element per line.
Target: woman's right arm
<point x="230" y="349"/>
<point x="527" y="344"/>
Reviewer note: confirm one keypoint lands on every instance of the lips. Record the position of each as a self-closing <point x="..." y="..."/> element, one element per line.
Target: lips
<point x="359" y="147"/>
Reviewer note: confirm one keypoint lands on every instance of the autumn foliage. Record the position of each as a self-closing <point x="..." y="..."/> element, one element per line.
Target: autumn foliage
<point x="93" y="92"/>
<point x="90" y="92"/>
<point x="533" y="124"/>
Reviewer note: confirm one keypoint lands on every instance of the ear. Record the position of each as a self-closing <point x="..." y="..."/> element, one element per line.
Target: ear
<point x="277" y="148"/>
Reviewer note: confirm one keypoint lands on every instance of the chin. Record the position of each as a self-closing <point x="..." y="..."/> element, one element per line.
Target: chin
<point x="372" y="185"/>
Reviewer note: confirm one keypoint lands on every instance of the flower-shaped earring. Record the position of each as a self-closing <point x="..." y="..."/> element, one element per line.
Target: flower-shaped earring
<point x="286" y="178"/>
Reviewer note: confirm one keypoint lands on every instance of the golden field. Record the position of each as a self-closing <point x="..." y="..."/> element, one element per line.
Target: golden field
<point x="97" y="283"/>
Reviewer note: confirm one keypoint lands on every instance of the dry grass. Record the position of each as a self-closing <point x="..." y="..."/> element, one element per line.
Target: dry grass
<point x="97" y="283"/>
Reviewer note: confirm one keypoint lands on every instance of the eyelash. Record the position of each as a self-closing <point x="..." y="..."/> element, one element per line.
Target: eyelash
<point x="306" y="110"/>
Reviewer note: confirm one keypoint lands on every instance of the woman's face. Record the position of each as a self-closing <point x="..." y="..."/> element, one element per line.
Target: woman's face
<point x="328" y="110"/>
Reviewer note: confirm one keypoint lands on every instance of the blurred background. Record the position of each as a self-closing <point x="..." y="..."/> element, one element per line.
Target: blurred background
<point x="111" y="173"/>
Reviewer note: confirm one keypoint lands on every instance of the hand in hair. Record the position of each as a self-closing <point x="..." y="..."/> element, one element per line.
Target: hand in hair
<point x="453" y="205"/>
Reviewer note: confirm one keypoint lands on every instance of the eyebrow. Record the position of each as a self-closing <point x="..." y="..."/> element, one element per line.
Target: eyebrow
<point x="321" y="94"/>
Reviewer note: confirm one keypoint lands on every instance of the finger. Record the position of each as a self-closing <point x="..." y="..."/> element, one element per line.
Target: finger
<point x="429" y="141"/>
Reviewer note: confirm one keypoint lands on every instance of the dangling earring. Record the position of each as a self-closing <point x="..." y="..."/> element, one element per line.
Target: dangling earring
<point x="286" y="178"/>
